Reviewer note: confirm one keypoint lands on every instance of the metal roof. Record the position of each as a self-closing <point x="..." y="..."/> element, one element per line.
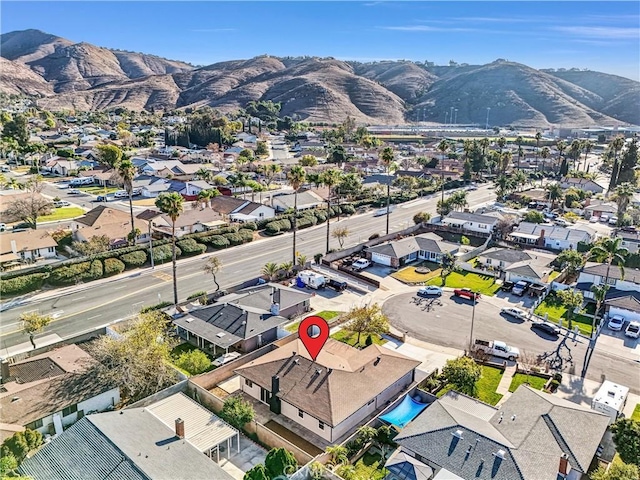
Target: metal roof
<point x="202" y="429"/>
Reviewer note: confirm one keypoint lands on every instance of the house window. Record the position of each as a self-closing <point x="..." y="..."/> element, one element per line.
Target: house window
<point x="51" y="249"/>
<point x="69" y="410"/>
<point x="300" y="413"/>
<point x="34" y="425"/>
<point x="321" y="425"/>
<point x="248" y="383"/>
<point x="611" y="281"/>
<point x="371" y="401"/>
<point x="482" y="227"/>
<point x="488" y="261"/>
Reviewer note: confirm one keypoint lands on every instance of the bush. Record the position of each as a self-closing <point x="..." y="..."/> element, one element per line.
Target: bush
<point x="247" y="235"/>
<point x="234" y="238"/>
<point x="189" y="246"/>
<point x="134" y="259"/>
<point x="157" y="306"/>
<point x="23" y="284"/>
<point x="195" y="295"/>
<point x="194" y="362"/>
<point x="95" y="271"/>
<point x="216" y="241"/>
<point x="113" y="266"/>
<point x="320" y="216"/>
<point x="374" y="236"/>
<point x="250" y="226"/>
<point x="163" y="253"/>
<point x="77" y="273"/>
<point x="277" y="226"/>
<point x="347" y="209"/>
<point x="306" y="221"/>
<point x="236" y="411"/>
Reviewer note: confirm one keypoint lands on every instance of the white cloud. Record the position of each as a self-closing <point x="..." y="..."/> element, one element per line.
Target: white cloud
<point x="614" y="33"/>
<point x="428" y="28"/>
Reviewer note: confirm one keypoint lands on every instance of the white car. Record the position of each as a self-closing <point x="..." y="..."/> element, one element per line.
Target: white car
<point x="604" y="218"/>
<point x="429" y="290"/>
<point x="360" y="264"/>
<point x="594" y="219"/>
<point x="226" y="358"/>
<point x="633" y="330"/>
<point x="121" y="194"/>
<point x="616" y="323"/>
<point x="61" y="203"/>
<point x="74" y="191"/>
<point x="562" y="222"/>
<point x="613" y="220"/>
<point x="514" y="312"/>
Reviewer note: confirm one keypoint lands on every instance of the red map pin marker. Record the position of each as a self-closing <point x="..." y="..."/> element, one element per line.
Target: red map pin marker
<point x="313" y="344"/>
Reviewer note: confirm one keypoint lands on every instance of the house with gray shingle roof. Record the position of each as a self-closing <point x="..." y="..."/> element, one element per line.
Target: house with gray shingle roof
<point x="532" y="436"/>
<point x="471" y="222"/>
<point x="426" y="246"/>
<point x="530" y="265"/>
<point x="551" y="236"/>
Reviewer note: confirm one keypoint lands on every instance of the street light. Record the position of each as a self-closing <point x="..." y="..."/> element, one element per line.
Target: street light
<point x="473" y="316"/>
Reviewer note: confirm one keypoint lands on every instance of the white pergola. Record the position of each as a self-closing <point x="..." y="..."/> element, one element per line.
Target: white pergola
<point x="202" y="429"/>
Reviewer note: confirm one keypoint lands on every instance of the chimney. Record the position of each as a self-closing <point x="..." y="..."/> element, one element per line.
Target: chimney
<point x="4" y="366"/>
<point x="274" y="401"/>
<point x="179" y="428"/>
<point x="563" y="468"/>
<point x="541" y="238"/>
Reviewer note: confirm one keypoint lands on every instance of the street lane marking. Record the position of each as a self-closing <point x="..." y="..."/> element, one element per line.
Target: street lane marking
<point x="163" y="276"/>
<point x="95" y="316"/>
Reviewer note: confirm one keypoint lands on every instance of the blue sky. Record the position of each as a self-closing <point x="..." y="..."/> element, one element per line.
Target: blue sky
<point x="602" y="36"/>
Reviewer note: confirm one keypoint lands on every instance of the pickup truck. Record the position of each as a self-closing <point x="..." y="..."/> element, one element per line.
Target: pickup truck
<point x="360" y="264"/>
<point x="466" y="293"/>
<point x="497" y="349"/>
<point x="520" y="288"/>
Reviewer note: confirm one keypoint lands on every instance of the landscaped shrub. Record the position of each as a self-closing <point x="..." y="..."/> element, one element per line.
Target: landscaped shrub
<point x="95" y="271"/>
<point x="134" y="259"/>
<point x="277" y="226"/>
<point x="195" y="295"/>
<point x="234" y="238"/>
<point x="249" y="226"/>
<point x="347" y="209"/>
<point x="216" y="241"/>
<point x="247" y="235"/>
<point x="163" y="253"/>
<point x="306" y="221"/>
<point x="157" y="306"/>
<point x="189" y="246"/>
<point x="113" y="266"/>
<point x="23" y="284"/>
<point x="320" y="216"/>
<point x="70" y="274"/>
<point x="194" y="362"/>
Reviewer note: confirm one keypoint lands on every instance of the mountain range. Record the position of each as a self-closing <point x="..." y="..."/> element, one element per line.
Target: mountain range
<point x="81" y="76"/>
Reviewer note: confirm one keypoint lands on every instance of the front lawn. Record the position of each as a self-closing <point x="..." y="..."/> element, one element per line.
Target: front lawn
<point x="62" y="213"/>
<point x="532" y="380"/>
<point x="409" y="274"/>
<point x="636" y="413"/>
<point x="351" y="338"/>
<point x="485" y="284"/>
<point x="555" y="310"/>
<point x="98" y="190"/>
<point x="485" y="387"/>
<point x="326" y="314"/>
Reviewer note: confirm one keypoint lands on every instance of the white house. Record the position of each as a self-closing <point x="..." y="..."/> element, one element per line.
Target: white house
<point x="332" y="396"/>
<point x="195" y="187"/>
<point x="30" y="245"/>
<point x="190" y="221"/>
<point x="630" y="241"/>
<point x="471" y="222"/>
<point x="49" y="392"/>
<point x="427" y="246"/>
<point x="241" y="210"/>
<point x="551" y="236"/>
<point x="581" y="184"/>
<point x="62" y="167"/>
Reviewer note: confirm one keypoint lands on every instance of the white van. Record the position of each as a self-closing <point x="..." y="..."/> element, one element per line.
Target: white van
<point x="610" y="399"/>
<point x="121" y="194"/>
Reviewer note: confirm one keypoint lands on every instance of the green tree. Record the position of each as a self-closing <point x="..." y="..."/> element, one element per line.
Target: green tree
<point x="8" y="465"/>
<point x="628" y="163"/>
<point x="127" y="172"/>
<point x="20" y="444"/>
<point x="555" y="193"/>
<point x="34" y="322"/>
<point x="617" y="471"/>
<point x="258" y="472"/>
<point x="367" y="434"/>
<point x="626" y="436"/>
<point x="599" y="295"/>
<point x="109" y="155"/>
<point x="366" y="320"/>
<point x="624" y="192"/>
<point x="96" y="244"/>
<point x="204" y="174"/>
<point x="271" y="171"/>
<point x="449" y="265"/>
<point x="193" y="361"/>
<point x="544" y="154"/>
<point x="443" y="147"/>
<point x="296" y="178"/>
<point x="462" y="373"/>
<point x="421" y="217"/>
<point x="609" y="251"/>
<point x="340" y="234"/>
<point x="532" y="216"/>
<point x="467" y="173"/>
<point x="572" y="260"/>
<point x="386" y="159"/>
<point x="330" y="178"/>
<point x="171" y="204"/>
<point x="17" y="129"/>
<point x="337" y="454"/>
<point x="261" y="149"/>
<point x="308" y="161"/>
<point x="212" y="267"/>
<point x="270" y="269"/>
<point x="237" y="412"/>
<point x="616" y="145"/>
<point x="280" y="461"/>
<point x="571" y="299"/>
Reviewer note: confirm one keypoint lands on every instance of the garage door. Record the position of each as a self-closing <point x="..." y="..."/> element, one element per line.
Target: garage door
<point x="381" y="259"/>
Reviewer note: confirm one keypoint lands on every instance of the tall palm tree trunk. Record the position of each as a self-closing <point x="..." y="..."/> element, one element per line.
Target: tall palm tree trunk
<point x="133" y="227"/>
<point x="328" y="217"/>
<point x="295" y="225"/>
<point x="388" y="201"/>
<point x="174" y="266"/>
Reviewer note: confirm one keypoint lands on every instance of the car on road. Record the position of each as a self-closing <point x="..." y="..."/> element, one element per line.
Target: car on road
<point x="429" y="290"/>
<point x="633" y="330"/>
<point x="506" y="286"/>
<point x="472" y="187"/>
<point x="3" y="227"/>
<point x="74" y="191"/>
<point x="520" y="288"/>
<point x="467" y="293"/>
<point x="497" y="348"/>
<point x="383" y="211"/>
<point x="337" y="285"/>
<point x="546" y="327"/>
<point x="121" y="194"/>
<point x="360" y="264"/>
<point x="561" y="222"/>
<point x="225" y="358"/>
<point x="514" y="312"/>
<point x="594" y="219"/>
<point x="61" y="203"/>
<point x="629" y="228"/>
<point x="102" y="198"/>
<point x="21" y="227"/>
<point x="615" y="323"/>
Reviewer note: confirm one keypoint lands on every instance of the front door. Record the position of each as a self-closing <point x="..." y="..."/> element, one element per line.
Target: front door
<point x="265" y="395"/>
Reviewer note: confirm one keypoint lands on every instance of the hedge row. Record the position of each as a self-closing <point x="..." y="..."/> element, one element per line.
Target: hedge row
<point x="85" y="271"/>
<point x="189" y="246"/>
<point x="23" y="284"/>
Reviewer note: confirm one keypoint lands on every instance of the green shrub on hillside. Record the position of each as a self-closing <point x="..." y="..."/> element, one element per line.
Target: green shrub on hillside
<point x="135" y="259"/>
<point x="23" y="284"/>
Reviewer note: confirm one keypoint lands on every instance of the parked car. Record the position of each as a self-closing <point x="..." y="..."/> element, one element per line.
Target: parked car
<point x="136" y="191"/>
<point x="3" y="227"/>
<point x="429" y="290"/>
<point x="74" y="191"/>
<point x="102" y="198"/>
<point x="633" y="330"/>
<point x="337" y="285"/>
<point x="546" y="327"/>
<point x="613" y="220"/>
<point x="594" y="219"/>
<point x="514" y="312"/>
<point x="615" y="323"/>
<point x="520" y="288"/>
<point x="466" y="293"/>
<point x="562" y="222"/>
<point x="61" y="203"/>
<point x="506" y="286"/>
<point x="225" y="358"/>
<point x="360" y="264"/>
<point x="21" y="227"/>
<point x="629" y="228"/>
<point x="497" y="349"/>
<point x="604" y="218"/>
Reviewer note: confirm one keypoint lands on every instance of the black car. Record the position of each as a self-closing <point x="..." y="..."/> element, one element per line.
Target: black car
<point x="21" y="227"/>
<point x="337" y="284"/>
<point x="629" y="228"/>
<point x="546" y="327"/>
<point x="506" y="286"/>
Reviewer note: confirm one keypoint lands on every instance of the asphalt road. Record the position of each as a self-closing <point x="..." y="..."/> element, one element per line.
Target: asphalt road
<point x="97" y="304"/>
<point x="449" y="324"/>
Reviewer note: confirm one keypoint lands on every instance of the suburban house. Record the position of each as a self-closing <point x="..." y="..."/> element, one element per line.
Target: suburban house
<point x="426" y="246"/>
<point x="194" y="187"/>
<point x="529" y="265"/>
<point x="551" y="236"/>
<point x="532" y="436"/>
<point x="630" y="240"/>
<point x="581" y="184"/>
<point x="306" y="200"/>
<point x="190" y="221"/>
<point x="28" y="246"/>
<point x="103" y="220"/>
<point x="238" y="209"/>
<point x="164" y="440"/>
<point x="470" y="222"/>
<point x="102" y="176"/>
<point x="58" y="166"/>
<point x="333" y="395"/>
<point x="245" y="320"/>
<point x="600" y="209"/>
<point x="500" y="258"/>
<point x="170" y="168"/>
<point x="50" y="391"/>
<point x="623" y="296"/>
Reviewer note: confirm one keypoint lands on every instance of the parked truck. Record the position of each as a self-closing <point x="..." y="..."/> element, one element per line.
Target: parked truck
<point x="497" y="348"/>
<point x="312" y="279"/>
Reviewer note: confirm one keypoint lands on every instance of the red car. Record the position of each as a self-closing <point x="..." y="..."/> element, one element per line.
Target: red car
<point x="466" y="293"/>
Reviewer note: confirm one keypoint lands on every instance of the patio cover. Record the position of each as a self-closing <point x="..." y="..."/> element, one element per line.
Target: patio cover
<point x="406" y="467"/>
<point x="525" y="235"/>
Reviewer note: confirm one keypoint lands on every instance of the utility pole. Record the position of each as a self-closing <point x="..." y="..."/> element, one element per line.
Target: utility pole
<point x="455" y="122"/>
<point x="151" y="246"/>
<point x="487" y="124"/>
<point x="473" y="315"/>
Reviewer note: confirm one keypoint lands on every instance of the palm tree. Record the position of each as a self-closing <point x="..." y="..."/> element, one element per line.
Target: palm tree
<point x="286" y="267"/>
<point x="127" y="171"/>
<point x="501" y="143"/>
<point x="14" y="184"/>
<point x="538" y="138"/>
<point x="204" y="174"/>
<point x="623" y="194"/>
<point x="519" y="142"/>
<point x="443" y="147"/>
<point x="271" y="171"/>
<point x="544" y="153"/>
<point x="609" y="251"/>
<point x="213" y="266"/>
<point x="505" y="160"/>
<point x="519" y="179"/>
<point x="338" y="454"/>
<point x="270" y="270"/>
<point x="599" y="294"/>
<point x="587" y="145"/>
<point x="561" y="146"/>
<point x="204" y="196"/>
<point x="171" y="204"/>
<point x="386" y="159"/>
<point x="616" y="145"/>
<point x="240" y="180"/>
<point x="296" y="177"/>
<point x="330" y="178"/>
<point x="555" y="193"/>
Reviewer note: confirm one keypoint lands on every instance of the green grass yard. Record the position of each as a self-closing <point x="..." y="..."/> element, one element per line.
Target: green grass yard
<point x="552" y="307"/>
<point x="485" y="387"/>
<point x="478" y="283"/>
<point x="326" y="314"/>
<point x="98" y="190"/>
<point x="636" y="413"/>
<point x="351" y="338"/>
<point x="532" y="380"/>
<point x="409" y="274"/>
<point x="62" y="213"/>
